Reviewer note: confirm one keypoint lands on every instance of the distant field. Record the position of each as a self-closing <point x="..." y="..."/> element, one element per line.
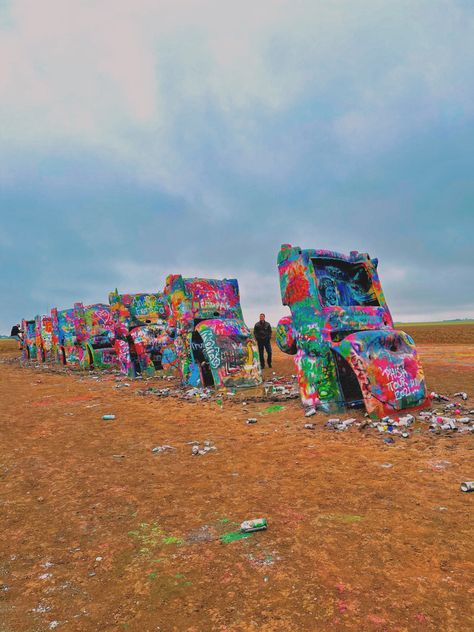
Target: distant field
<point x="440" y="333"/>
<point x="437" y="323"/>
<point x="7" y="345"/>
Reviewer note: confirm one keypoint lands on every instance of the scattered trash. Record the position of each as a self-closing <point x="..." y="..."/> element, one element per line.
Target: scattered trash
<point x="258" y="524"/>
<point x="310" y="412"/>
<point x="405" y="434"/>
<point x="252" y="420"/>
<point x="161" y="448"/>
<point x="387" y="465"/>
<point x="207" y="447"/>
<point x="389" y="440"/>
<point x="462" y="395"/>
<point x="467" y="486"/>
<point x="310" y="426"/>
<point x="439" y="398"/>
<point x="118" y="456"/>
<point x="108" y="417"/>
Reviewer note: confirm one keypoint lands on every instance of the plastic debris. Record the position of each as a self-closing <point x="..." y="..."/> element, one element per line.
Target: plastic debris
<point x="108" y="417"/>
<point x="467" y="486"/>
<point x="310" y="426"/>
<point x="462" y="395"/>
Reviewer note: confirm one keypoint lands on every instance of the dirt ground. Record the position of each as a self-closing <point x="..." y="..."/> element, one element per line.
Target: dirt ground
<point x="100" y="534"/>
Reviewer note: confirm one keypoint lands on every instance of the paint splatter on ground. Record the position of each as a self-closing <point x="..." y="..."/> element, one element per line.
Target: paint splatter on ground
<point x="91" y="542"/>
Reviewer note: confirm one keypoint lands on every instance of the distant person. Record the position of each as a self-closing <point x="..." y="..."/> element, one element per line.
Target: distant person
<point x="17" y="334"/>
<point x="263" y="335"/>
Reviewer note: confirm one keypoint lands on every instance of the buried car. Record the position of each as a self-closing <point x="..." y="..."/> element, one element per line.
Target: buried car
<point x="64" y="336"/>
<point x="341" y="332"/>
<point x="29" y="349"/>
<point x="83" y="336"/>
<point x="213" y="344"/>
<point x="44" y="338"/>
<point x="95" y="334"/>
<point x="143" y="336"/>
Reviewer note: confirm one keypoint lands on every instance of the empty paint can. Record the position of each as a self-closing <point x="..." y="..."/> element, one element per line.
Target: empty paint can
<point x="258" y="524"/>
<point x="467" y="486"/>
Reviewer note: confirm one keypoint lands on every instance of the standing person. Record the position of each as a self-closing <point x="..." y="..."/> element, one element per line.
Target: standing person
<point x="263" y="335"/>
<point x="16" y="333"/>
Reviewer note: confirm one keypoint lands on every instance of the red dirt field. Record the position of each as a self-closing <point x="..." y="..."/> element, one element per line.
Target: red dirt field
<point x="100" y="534"/>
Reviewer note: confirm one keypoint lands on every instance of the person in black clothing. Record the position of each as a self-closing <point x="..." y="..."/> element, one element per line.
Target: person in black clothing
<point x="263" y="335"/>
<point x="16" y="333"/>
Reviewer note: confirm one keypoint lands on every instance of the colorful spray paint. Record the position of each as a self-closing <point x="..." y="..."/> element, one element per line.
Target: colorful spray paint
<point x="44" y="338"/>
<point x="83" y="336"/>
<point x="64" y="336"/>
<point x="214" y="347"/>
<point x="143" y="334"/>
<point x="29" y="349"/>
<point x="341" y="333"/>
<point x="95" y="333"/>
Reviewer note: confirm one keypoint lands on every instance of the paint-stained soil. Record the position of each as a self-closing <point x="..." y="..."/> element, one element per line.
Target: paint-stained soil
<point x="99" y="533"/>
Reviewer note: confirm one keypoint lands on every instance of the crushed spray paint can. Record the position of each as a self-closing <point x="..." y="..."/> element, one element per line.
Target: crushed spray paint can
<point x="462" y="395"/>
<point x="310" y="412"/>
<point x="439" y="398"/>
<point x="258" y="524"/>
<point x="310" y="426"/>
<point x="405" y="435"/>
<point x="467" y="486"/>
<point x="108" y="417"/>
<point x="252" y="420"/>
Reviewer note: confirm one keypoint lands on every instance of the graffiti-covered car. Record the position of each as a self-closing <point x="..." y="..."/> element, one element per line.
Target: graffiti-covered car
<point x="95" y="336"/>
<point x="29" y="350"/>
<point x="44" y="338"/>
<point x="143" y="335"/>
<point x="341" y="332"/>
<point x="213" y="344"/>
<point x="64" y="335"/>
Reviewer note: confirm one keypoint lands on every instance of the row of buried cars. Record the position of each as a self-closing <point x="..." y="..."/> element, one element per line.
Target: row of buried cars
<point x="195" y="326"/>
<point x="340" y="331"/>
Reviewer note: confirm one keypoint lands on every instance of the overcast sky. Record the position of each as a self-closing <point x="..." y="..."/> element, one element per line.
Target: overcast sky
<point x="146" y="137"/>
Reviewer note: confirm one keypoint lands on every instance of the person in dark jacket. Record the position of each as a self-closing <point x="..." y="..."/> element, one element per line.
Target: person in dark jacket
<point x="17" y="334"/>
<point x="263" y="335"/>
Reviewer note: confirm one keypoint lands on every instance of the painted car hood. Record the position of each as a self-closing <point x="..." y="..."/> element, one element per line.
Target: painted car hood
<point x="387" y="368"/>
<point x="212" y="332"/>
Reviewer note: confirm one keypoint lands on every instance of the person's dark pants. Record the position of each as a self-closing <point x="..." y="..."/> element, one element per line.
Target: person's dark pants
<point x="265" y="345"/>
